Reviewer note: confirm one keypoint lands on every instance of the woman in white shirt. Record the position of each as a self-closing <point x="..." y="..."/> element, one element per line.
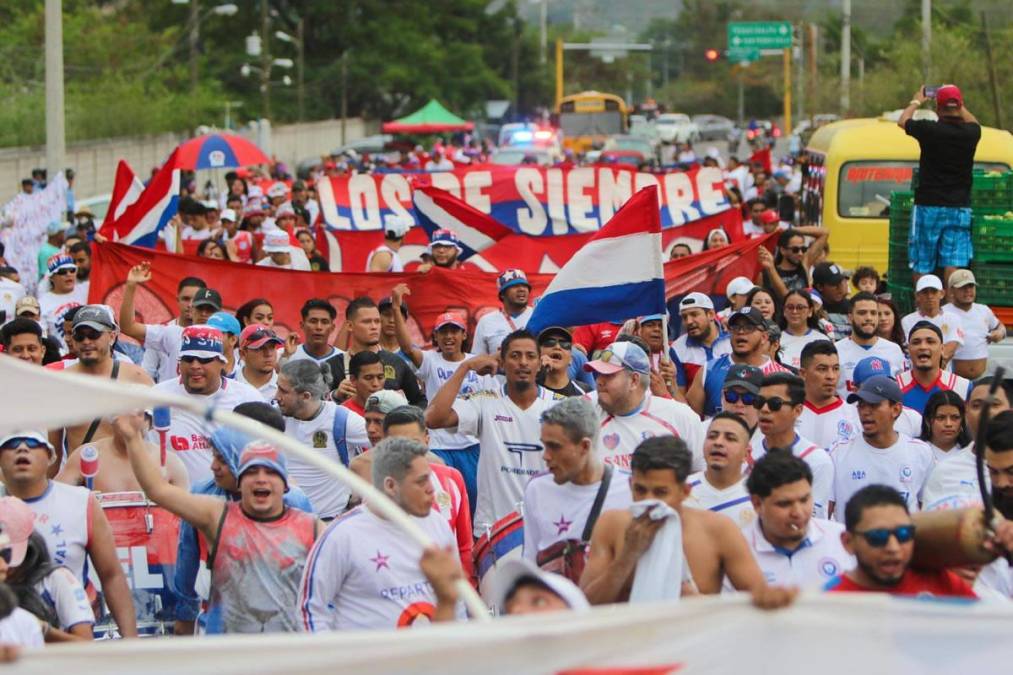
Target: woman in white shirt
<point x="800" y="325"/>
<point x="944" y="425"/>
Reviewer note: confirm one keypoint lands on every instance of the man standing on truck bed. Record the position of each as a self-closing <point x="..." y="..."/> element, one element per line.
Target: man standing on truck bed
<point x="941" y="221"/>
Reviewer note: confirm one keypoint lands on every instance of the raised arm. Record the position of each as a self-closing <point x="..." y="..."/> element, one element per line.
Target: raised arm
<point x="397" y="295"/>
<point x="912" y="106"/>
<point x="440" y="413"/>
<point x="138" y="274"/>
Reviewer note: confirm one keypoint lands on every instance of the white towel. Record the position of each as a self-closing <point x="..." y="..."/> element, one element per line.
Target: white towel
<point x="659" y="573"/>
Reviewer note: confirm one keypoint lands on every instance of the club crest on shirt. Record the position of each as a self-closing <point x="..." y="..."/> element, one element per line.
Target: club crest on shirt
<point x="442" y="501"/>
<point x="845" y="429"/>
<point x="319" y="439"/>
<point x="905" y="474"/>
<point x="611" y="441"/>
<point x="644" y="435"/>
<point x="829" y="568"/>
<point x="388" y="373"/>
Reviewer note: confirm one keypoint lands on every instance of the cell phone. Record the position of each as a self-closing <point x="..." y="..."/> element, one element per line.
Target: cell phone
<point x="930" y="90"/>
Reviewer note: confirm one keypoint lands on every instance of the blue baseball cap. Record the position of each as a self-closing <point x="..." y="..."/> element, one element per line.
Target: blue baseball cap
<point x="868" y="367"/>
<point x="225" y="322"/>
<point x="60" y="261"/>
<point x="513" y="277"/>
<point x="445" y="237"/>
<point x="260" y="453"/>
<point x="878" y="388"/>
<point x="620" y="355"/>
<point x="652" y="317"/>
<point x="203" y="342"/>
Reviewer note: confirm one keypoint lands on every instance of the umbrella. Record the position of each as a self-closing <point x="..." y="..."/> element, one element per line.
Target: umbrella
<point x="431" y="118"/>
<point x="217" y="151"/>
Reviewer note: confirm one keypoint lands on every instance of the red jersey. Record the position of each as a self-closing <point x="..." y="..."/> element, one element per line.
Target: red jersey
<point x="596" y="336"/>
<point x="451" y="500"/>
<point x="352" y="405"/>
<point x="918" y="583"/>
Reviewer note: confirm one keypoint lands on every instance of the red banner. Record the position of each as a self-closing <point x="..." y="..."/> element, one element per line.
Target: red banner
<point x="470" y="293"/>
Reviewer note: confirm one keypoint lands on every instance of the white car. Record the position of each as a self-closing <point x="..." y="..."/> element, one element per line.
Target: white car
<point x="676" y="128"/>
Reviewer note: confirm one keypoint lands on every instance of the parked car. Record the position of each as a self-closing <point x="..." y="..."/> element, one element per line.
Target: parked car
<point x="369" y="145"/>
<point x="645" y="129"/>
<point x="632" y="157"/>
<point x="632" y="143"/>
<point x="676" y="128"/>
<point x="714" y="127"/>
<point x="513" y="156"/>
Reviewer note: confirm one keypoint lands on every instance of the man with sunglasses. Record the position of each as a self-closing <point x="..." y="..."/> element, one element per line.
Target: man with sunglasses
<point x="780" y="404"/>
<point x="702" y="340"/>
<point x="63" y="291"/>
<point x="826" y="419"/>
<point x="555" y="345"/>
<point x="69" y="518"/>
<point x="865" y="342"/>
<point x="880" y="534"/>
<point x="879" y="455"/>
<point x="201" y="363"/>
<point x="721" y="487"/>
<point x="750" y="346"/>
<point x="794" y="259"/>
<point x="739" y="392"/>
<point x="94" y="333"/>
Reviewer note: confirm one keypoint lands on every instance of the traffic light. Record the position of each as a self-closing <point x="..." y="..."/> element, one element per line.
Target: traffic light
<point x="712" y="54"/>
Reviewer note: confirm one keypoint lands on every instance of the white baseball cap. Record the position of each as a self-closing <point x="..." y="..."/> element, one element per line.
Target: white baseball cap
<point x="739" y="286"/>
<point x="695" y="301"/>
<point x="513" y="571"/>
<point x="398" y="225"/>
<point x="928" y="281"/>
<point x="227" y="214"/>
<point x="276" y="241"/>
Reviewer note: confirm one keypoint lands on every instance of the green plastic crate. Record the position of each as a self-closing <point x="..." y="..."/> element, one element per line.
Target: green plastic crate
<point x="901" y="294"/>
<point x="995" y="283"/>
<point x="993" y="239"/>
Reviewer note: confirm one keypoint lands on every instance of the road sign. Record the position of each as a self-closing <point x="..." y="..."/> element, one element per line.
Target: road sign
<point x="743" y="54"/>
<point x="759" y="35"/>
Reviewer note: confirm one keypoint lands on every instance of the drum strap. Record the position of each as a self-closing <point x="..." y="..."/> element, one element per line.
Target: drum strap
<point x="339" y="432"/>
<point x="98" y="420"/>
<point x="218" y="537"/>
<point x="599" y="502"/>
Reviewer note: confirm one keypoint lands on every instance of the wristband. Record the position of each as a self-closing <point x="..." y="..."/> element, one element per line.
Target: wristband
<point x="912" y="102"/>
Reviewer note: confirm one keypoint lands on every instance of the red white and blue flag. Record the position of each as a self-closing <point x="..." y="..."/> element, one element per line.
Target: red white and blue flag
<point x="437" y="209"/>
<point x="143" y="220"/>
<point x="127" y="188"/>
<point x="617" y="275"/>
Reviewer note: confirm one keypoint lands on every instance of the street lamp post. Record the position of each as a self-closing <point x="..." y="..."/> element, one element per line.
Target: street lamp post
<point x="300" y="64"/>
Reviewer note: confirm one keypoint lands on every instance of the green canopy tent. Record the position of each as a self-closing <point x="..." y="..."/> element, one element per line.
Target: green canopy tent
<point x="432" y="118"/>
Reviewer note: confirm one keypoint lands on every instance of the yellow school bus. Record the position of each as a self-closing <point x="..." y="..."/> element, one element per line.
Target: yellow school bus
<point x="587" y="119"/>
<point x="855" y="165"/>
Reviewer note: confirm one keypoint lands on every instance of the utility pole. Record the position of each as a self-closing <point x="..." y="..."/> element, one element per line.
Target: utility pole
<point x="543" y="31"/>
<point x="194" y="39"/>
<point x="55" y="131"/>
<point x="741" y="110"/>
<point x="265" y="60"/>
<point x="787" y="90"/>
<point x="993" y="85"/>
<point x="344" y="92"/>
<point x="927" y="41"/>
<point x="515" y="56"/>
<point x="301" y="65"/>
<point x="800" y="73"/>
<point x="845" y="57"/>
<point x="559" y="70"/>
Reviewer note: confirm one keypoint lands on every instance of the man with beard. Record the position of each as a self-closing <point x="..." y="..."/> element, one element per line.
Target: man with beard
<point x="879" y="455"/>
<point x="702" y="341"/>
<point x="514" y="290"/>
<point x="443" y="249"/>
<point x="750" y="346"/>
<point x="999" y="462"/>
<point x="362" y="321"/>
<point x="94" y="335"/>
<point x="506" y="421"/>
<point x="880" y="534"/>
<point x="864" y="342"/>
<point x="81" y="253"/>
<point x="926" y="377"/>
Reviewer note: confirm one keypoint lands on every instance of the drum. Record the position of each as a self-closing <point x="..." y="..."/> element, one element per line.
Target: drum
<point x="146" y="537"/>
<point x="503" y="541"/>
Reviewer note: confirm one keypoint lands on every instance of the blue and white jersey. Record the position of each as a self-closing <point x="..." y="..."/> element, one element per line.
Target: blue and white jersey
<point x="904" y="466"/>
<point x="434" y="373"/>
<point x="818" y="559"/>
<point x="732" y="501"/>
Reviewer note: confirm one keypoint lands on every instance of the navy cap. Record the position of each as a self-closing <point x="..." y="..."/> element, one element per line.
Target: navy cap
<point x="750" y="314"/>
<point x="748" y="377"/>
<point x="878" y="388"/>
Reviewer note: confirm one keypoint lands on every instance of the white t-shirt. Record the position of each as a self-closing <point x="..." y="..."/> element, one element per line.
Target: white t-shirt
<point x="165" y="340"/>
<point x="196" y="235"/>
<point x="433" y="373"/>
<point x="363" y="573"/>
<point x="66" y="595"/>
<point x="21" y="629"/>
<point x="298" y="262"/>
<point x="619" y="436"/>
<point x="395" y="264"/>
<point x="940" y="455"/>
<point x="819" y="461"/>
<point x="953" y="481"/>
<point x="494" y="326"/>
<point x="903" y="466"/>
<point x="267" y="390"/>
<point x="829" y="425"/>
<point x="188" y="433"/>
<point x="53" y="305"/>
<point x="301" y="353"/>
<point x="511" y="441"/>
<point x="555" y="512"/>
<point x="328" y="496"/>
<point x="63" y="518"/>
<point x="732" y="501"/>
<point x="820" y="558"/>
<point x="10" y="293"/>
<point x="850" y="353"/>
<point x="792" y="345"/>
<point x="949" y="324"/>
<point x="976" y="323"/>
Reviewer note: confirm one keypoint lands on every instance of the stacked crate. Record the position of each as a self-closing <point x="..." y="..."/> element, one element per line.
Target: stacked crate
<point x="899" y="273"/>
<point x="992" y="235"/>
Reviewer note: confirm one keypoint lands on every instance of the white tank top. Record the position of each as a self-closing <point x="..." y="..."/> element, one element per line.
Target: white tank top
<point x="395" y="260"/>
<point x="63" y="518"/>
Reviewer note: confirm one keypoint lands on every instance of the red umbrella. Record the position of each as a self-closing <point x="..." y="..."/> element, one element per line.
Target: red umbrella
<point x="217" y="151"/>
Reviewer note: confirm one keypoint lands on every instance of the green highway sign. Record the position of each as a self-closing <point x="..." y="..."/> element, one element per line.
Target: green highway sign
<point x="742" y="55"/>
<point x="758" y="35"/>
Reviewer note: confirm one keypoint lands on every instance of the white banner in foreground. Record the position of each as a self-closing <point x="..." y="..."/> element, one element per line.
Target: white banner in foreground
<point x="819" y="634"/>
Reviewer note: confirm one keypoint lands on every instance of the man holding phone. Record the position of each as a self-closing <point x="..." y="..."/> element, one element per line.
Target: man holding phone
<point x="940" y="234"/>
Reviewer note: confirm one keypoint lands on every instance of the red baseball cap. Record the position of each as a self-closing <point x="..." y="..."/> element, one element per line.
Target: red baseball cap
<point x="450" y="319"/>
<point x="257" y="335"/>
<point x="770" y="216"/>
<point x="949" y="96"/>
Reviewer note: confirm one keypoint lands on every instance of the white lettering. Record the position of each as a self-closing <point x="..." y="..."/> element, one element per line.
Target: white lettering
<point x="679" y="198"/>
<point x="396" y="193"/>
<point x="557" y="204"/>
<point x="365" y="202"/>
<point x="446" y="180"/>
<point x="708" y="189"/>
<point x="531" y="220"/>
<point x="134" y="561"/>
<point x="474" y="181"/>
<point x="614" y="189"/>
<point x="325" y="193"/>
<point x="579" y="201"/>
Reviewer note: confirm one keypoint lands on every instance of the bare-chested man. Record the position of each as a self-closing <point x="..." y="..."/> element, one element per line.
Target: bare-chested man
<point x="712" y="543"/>
<point x="94" y="334"/>
<point x="115" y="473"/>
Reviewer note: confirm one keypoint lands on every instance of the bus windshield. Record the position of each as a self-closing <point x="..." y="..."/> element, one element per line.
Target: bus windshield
<point x="604" y="123"/>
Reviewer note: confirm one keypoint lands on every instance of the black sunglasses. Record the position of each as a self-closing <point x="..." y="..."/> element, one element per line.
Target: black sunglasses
<point x="775" y="403"/>
<point x="15" y="442"/>
<point x="65" y="271"/>
<point x="746" y="397"/>
<point x="86" y="334"/>
<point x="880" y="537"/>
<point x="198" y="359"/>
<point x="557" y="342"/>
<point x="797" y="249"/>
